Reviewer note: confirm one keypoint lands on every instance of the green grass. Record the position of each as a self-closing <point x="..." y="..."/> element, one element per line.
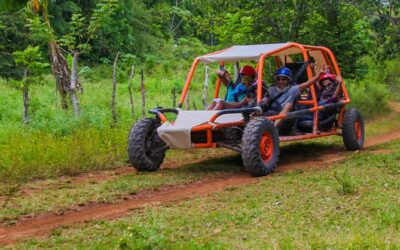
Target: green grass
<point x="305" y="209"/>
<point x="384" y="123"/>
<point x="56" y="143"/>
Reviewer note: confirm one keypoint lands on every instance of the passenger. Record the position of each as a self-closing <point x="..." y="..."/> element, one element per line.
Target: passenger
<point x="236" y="93"/>
<point x="329" y="88"/>
<point x="283" y="94"/>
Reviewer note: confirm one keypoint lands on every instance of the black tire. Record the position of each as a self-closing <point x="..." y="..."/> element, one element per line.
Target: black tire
<point x="233" y="135"/>
<point x="257" y="160"/>
<point x="353" y="132"/>
<point x="146" y="150"/>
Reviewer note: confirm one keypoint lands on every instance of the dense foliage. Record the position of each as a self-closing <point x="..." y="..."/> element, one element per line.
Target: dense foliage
<point x="149" y="30"/>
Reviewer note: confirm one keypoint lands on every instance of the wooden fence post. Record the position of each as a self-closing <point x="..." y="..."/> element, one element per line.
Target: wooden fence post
<point x="194" y="105"/>
<point x="130" y="89"/>
<point x="236" y="70"/>
<point x="74" y="82"/>
<point x="26" y="96"/>
<point x="143" y="91"/>
<point x="205" y="88"/>
<point x="188" y="100"/>
<point x="114" y="89"/>
<point x="174" y="97"/>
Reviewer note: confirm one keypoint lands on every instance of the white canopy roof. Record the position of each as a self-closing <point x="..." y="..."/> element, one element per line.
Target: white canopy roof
<point x="247" y="52"/>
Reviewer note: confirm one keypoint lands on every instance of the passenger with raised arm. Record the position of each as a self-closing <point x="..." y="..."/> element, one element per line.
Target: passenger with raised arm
<point x="283" y="94"/>
<point x="329" y="88"/>
<point x="236" y="92"/>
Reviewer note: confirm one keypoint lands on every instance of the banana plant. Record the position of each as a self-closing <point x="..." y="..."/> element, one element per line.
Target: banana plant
<point x="58" y="62"/>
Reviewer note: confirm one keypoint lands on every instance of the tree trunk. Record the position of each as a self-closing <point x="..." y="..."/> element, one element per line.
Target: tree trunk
<point x="26" y="96"/>
<point x="74" y="80"/>
<point x="143" y="91"/>
<point x="61" y="72"/>
<point x="130" y="89"/>
<point x="114" y="89"/>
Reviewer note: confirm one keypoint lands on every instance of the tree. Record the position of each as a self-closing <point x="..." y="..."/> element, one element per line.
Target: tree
<point x="81" y="33"/>
<point x="59" y="64"/>
<point x="384" y="15"/>
<point x="13" y="37"/>
<point x="30" y="59"/>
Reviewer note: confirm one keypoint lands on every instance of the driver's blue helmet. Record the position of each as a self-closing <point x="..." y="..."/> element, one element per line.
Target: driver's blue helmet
<point x="284" y="71"/>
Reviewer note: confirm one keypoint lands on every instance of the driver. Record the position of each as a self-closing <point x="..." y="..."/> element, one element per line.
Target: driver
<point x="283" y="94"/>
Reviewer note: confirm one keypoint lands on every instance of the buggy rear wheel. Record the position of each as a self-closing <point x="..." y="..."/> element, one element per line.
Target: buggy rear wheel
<point x="260" y="143"/>
<point x="353" y="130"/>
<point x="146" y="150"/>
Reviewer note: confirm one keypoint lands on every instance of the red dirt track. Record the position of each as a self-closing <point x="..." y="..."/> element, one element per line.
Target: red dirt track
<point x="42" y="225"/>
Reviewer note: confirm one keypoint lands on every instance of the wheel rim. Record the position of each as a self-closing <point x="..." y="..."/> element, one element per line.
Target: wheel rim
<point x="266" y="147"/>
<point x="358" y="130"/>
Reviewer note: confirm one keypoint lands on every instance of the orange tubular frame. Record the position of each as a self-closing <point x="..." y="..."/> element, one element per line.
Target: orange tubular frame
<point x="187" y="83"/>
<point x="218" y="84"/>
<point x="212" y="125"/>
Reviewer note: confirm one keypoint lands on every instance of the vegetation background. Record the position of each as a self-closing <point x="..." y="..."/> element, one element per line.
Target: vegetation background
<point x="162" y="38"/>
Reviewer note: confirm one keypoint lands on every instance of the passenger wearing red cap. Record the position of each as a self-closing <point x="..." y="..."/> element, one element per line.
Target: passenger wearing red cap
<point x="236" y="92"/>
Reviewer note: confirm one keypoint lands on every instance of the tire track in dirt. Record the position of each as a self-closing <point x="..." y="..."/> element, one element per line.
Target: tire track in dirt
<point x="99" y="176"/>
<point x="42" y="225"/>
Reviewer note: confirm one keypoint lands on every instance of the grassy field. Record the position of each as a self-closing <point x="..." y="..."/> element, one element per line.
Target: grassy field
<point x="57" y="194"/>
<point x="353" y="205"/>
<point x="57" y="143"/>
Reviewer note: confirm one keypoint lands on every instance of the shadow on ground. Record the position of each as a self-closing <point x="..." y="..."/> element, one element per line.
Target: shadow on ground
<point x="232" y="163"/>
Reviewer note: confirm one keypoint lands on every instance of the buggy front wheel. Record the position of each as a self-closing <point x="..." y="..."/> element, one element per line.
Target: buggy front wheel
<point x="146" y="150"/>
<point x="260" y="147"/>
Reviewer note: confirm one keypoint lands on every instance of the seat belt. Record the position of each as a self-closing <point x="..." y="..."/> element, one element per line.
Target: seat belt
<point x="274" y="100"/>
<point x="300" y="71"/>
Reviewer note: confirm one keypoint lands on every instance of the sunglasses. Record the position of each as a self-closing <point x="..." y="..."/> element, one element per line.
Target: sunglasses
<point x="282" y="79"/>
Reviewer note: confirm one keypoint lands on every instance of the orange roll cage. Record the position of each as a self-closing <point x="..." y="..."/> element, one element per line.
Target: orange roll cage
<point x="304" y="49"/>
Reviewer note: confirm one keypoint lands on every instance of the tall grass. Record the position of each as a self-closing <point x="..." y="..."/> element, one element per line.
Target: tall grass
<point x="56" y="142"/>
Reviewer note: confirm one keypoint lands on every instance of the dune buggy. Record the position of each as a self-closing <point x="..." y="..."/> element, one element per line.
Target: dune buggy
<point x="248" y="130"/>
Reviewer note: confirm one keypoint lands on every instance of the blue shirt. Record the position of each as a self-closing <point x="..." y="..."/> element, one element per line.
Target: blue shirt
<point x="235" y="93"/>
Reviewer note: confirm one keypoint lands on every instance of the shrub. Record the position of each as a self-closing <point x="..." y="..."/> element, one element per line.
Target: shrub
<point x="371" y="98"/>
<point x="370" y="93"/>
<point x="346" y="182"/>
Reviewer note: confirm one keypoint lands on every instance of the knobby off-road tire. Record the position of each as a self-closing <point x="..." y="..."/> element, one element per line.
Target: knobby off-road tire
<point x="146" y="150"/>
<point x="233" y="135"/>
<point x="260" y="147"/>
<point x="353" y="130"/>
